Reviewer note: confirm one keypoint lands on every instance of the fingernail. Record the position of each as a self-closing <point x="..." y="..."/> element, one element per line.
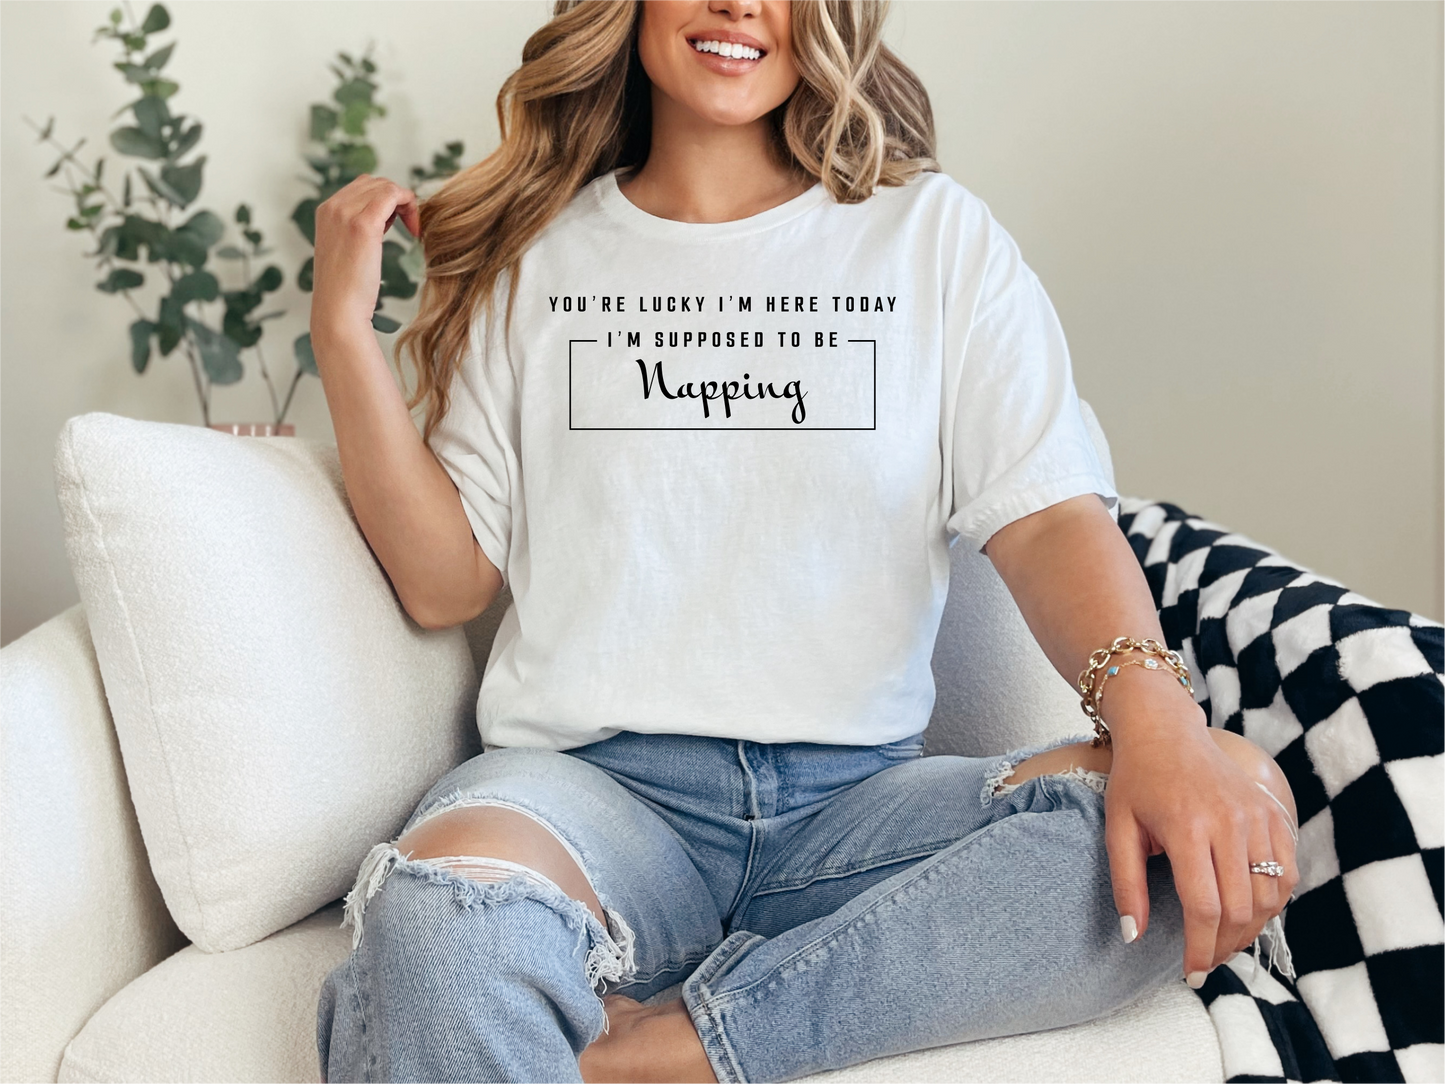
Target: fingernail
<point x="1128" y="927"/>
<point x="1196" y="979"/>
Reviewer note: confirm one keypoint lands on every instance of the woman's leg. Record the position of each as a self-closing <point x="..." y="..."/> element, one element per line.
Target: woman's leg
<point x="525" y="880"/>
<point x="945" y="950"/>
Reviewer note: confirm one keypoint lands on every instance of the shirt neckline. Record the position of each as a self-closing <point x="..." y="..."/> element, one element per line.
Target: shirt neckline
<point x="622" y="210"/>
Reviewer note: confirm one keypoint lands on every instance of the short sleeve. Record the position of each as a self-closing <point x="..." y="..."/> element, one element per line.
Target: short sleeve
<point x="1016" y="439"/>
<point x="476" y="440"/>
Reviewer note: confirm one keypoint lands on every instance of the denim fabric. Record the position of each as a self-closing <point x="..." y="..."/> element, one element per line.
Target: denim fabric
<point x="821" y="905"/>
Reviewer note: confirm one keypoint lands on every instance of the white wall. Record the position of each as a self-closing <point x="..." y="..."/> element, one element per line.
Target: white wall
<point x="1236" y="209"/>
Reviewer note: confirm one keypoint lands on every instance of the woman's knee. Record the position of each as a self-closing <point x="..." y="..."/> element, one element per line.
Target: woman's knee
<point x="485" y="880"/>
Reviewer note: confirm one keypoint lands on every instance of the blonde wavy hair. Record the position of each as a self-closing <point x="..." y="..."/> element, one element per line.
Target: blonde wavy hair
<point x="580" y="106"/>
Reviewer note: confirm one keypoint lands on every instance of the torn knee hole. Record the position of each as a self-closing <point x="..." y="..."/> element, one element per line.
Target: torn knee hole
<point x="996" y="787"/>
<point x="479" y="880"/>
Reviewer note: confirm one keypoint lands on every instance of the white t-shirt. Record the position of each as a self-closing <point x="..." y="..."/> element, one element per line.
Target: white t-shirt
<point x="721" y="464"/>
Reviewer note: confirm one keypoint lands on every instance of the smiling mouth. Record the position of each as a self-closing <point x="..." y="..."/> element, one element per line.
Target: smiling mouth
<point x="728" y="50"/>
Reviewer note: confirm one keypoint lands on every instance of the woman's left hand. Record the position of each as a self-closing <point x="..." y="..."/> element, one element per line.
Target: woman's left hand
<point x="1173" y="789"/>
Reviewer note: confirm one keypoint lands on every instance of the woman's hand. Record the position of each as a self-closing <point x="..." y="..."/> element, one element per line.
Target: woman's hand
<point x="346" y="274"/>
<point x="1174" y="789"/>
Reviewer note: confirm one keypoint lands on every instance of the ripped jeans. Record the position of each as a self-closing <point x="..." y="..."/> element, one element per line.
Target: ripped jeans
<point x="814" y="905"/>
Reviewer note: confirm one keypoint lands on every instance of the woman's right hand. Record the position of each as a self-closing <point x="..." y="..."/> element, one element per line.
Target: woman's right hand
<point x="346" y="273"/>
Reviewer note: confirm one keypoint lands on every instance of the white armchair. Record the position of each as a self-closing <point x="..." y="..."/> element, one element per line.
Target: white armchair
<point x="100" y="982"/>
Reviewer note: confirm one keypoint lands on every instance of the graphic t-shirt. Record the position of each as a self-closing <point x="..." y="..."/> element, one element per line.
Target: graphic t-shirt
<point x="720" y="465"/>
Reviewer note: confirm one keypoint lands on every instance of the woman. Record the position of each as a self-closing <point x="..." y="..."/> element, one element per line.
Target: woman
<point x="717" y="366"/>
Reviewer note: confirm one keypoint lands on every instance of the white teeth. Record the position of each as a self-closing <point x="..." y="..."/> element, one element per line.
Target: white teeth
<point x="728" y="49"/>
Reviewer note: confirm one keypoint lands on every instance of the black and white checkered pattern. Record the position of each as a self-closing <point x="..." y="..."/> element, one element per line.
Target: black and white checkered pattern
<point x="1349" y="698"/>
<point x="1265" y="1031"/>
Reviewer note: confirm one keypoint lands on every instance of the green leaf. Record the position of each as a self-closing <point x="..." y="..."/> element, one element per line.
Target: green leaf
<point x="354" y="91"/>
<point x="219" y="355"/>
<point x="367" y="66"/>
<point x="414" y="263"/>
<point x="170" y="326"/>
<point x="385" y="324"/>
<point x="243" y="214"/>
<point x="49" y="127"/>
<point x="126" y="240"/>
<point x="270" y="279"/>
<point x="354" y="118"/>
<point x="53" y="170"/>
<point x="206" y="226"/>
<point x="160" y="187"/>
<point x="152" y="114"/>
<point x="140" y="344"/>
<point x="115" y="16"/>
<point x="188" y="139"/>
<point x="242" y="302"/>
<point x="125" y="192"/>
<point x="134" y="43"/>
<point x="195" y="286"/>
<point x="394" y="281"/>
<point x="323" y="121"/>
<point x="305" y="218"/>
<point x="161" y="88"/>
<point x="184" y="247"/>
<point x="303" y="277"/>
<point x="134" y="73"/>
<point x="121" y="278"/>
<point x="236" y="328"/>
<point x="185" y="180"/>
<point x="305" y="356"/>
<point x="137" y="143"/>
<point x="230" y="252"/>
<point x="157" y="60"/>
<point x="357" y="158"/>
<point x="157" y="19"/>
<point x="254" y="236"/>
<point x="74" y="223"/>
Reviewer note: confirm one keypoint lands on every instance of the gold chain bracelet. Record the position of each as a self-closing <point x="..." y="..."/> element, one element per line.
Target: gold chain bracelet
<point x="1093" y="677"/>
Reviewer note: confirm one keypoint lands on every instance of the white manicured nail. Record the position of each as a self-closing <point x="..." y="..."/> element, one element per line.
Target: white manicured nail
<point x="1196" y="979"/>
<point x="1128" y="927"/>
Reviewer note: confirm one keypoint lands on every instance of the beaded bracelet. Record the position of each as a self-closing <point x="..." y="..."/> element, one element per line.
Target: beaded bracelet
<point x="1097" y="673"/>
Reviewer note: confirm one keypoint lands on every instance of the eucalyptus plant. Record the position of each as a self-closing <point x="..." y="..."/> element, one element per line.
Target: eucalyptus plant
<point x="140" y="227"/>
<point x="339" y="126"/>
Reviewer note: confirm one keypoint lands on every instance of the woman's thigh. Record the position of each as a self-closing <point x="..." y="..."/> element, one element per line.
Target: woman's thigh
<point x="656" y="902"/>
<point x="892" y="820"/>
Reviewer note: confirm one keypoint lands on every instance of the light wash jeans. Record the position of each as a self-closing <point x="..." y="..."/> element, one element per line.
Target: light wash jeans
<point x="821" y="905"/>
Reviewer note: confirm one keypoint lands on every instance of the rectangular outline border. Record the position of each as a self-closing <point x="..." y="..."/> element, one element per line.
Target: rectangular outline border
<point x="717" y="428"/>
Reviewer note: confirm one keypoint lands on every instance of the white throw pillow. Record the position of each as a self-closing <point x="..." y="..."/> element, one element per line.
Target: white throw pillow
<point x="996" y="689"/>
<point x="278" y="711"/>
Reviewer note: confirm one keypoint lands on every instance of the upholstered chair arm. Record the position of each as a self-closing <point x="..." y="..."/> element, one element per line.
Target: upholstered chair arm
<point x="80" y="914"/>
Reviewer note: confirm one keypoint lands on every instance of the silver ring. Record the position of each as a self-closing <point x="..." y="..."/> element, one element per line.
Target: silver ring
<point x="1271" y="868"/>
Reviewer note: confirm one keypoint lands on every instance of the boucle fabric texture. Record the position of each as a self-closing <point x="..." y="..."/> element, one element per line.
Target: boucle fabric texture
<point x="1347" y="696"/>
<point x="277" y="710"/>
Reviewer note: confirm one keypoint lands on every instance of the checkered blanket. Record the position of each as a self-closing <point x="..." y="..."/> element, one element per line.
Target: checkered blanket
<point x="1347" y="696"/>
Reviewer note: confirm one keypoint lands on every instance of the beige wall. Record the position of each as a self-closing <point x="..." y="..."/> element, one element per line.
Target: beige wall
<point x="1236" y="209"/>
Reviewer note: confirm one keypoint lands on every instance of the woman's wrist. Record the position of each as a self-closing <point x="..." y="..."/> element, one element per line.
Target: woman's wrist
<point x="1140" y="703"/>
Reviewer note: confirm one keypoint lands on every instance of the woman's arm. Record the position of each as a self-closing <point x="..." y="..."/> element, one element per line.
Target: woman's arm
<point x="406" y="503"/>
<point x="1171" y="788"/>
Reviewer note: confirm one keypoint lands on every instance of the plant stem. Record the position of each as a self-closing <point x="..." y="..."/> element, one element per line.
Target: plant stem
<point x="196" y="374"/>
<point x="294" y="381"/>
<point x="261" y="357"/>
